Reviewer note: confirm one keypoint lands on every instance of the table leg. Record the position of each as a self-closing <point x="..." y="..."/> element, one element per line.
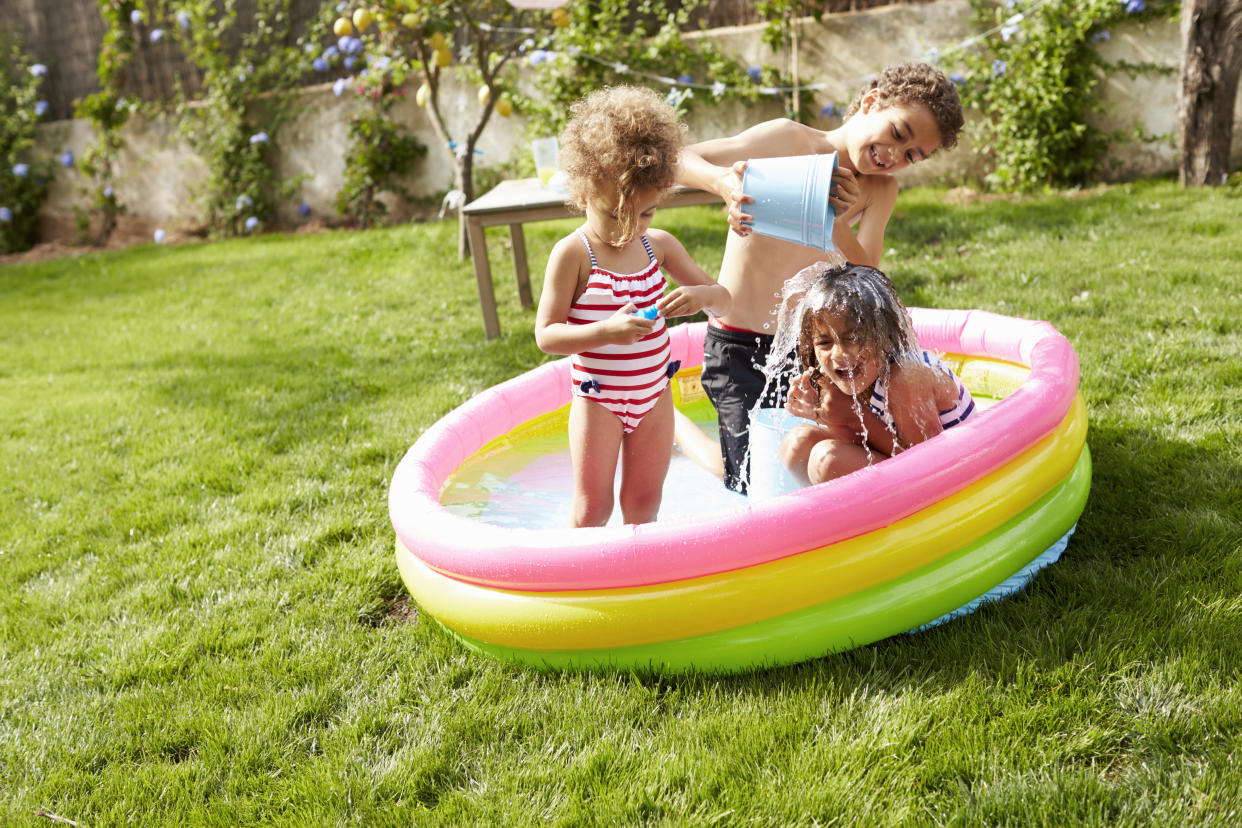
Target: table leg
<point x="518" y="239"/>
<point x="483" y="275"/>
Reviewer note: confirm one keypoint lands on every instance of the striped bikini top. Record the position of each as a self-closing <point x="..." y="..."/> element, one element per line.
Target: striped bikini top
<point x="962" y="409"/>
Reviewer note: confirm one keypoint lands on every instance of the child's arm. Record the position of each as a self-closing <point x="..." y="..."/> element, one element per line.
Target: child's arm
<point x="696" y="290"/>
<point x="553" y="334"/>
<point x="878" y="196"/>
<point x="717" y="165"/>
<point x="824" y="404"/>
<point x="916" y="394"/>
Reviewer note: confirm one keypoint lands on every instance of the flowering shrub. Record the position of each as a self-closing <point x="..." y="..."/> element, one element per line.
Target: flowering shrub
<point x="247" y="95"/>
<point x="381" y="150"/>
<point x="108" y="110"/>
<point x="1034" y="79"/>
<point x="613" y="42"/>
<point x="23" y="183"/>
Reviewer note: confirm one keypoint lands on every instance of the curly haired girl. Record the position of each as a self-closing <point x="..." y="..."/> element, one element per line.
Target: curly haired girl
<point x="603" y="300"/>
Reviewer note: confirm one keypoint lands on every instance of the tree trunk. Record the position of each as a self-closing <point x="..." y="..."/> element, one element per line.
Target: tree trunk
<point x="1211" y="63"/>
<point x="465" y="183"/>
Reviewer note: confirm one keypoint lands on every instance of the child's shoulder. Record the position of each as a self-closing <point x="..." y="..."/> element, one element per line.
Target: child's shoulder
<point x="914" y="379"/>
<point x="785" y="136"/>
<point x="569" y="251"/>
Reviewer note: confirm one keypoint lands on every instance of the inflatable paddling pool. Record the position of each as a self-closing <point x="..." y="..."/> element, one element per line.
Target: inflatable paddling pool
<point x="962" y="518"/>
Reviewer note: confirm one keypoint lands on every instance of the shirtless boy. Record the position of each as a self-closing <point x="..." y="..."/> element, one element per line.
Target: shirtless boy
<point x="900" y="118"/>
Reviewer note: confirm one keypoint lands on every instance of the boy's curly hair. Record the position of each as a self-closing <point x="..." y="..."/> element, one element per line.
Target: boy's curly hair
<point x="921" y="83"/>
<point x="622" y="139"/>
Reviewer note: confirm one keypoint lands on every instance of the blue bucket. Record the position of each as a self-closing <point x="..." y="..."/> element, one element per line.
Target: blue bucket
<point x="768" y="476"/>
<point x="791" y="198"/>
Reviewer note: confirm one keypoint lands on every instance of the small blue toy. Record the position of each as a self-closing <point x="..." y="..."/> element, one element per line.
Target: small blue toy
<point x="647" y="313"/>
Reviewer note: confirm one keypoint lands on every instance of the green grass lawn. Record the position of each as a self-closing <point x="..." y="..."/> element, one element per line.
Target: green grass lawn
<point x="201" y="620"/>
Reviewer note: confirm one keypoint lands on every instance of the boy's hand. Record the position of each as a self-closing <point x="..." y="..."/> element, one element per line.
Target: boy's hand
<point x="729" y="187"/>
<point x="624" y="328"/>
<point x="844" y="190"/>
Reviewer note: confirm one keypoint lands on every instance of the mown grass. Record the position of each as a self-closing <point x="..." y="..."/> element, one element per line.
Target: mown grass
<point x="201" y="621"/>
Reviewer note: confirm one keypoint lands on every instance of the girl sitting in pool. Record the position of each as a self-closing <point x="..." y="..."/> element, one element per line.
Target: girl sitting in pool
<point x="867" y="385"/>
<point x="603" y="300"/>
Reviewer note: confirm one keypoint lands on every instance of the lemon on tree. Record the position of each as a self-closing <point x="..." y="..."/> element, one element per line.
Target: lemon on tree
<point x="484" y="94"/>
<point x="423" y="93"/>
<point x="443" y="57"/>
<point x="362" y="19"/>
<point x="342" y="27"/>
<point x="503" y="107"/>
<point x="560" y="18"/>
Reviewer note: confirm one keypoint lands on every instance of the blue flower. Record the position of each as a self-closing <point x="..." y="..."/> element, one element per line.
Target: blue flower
<point x="21" y="170"/>
<point x="829" y="110"/>
<point x="251" y="223"/>
<point x="348" y="62"/>
<point x="183" y="20"/>
<point x="339" y="87"/>
<point x="998" y="67"/>
<point x="135" y="17"/>
<point x="342" y="6"/>
<point x="755" y="72"/>
<point x="320" y="64"/>
<point x="303" y="209"/>
<point x="38" y="70"/>
<point x="331" y="52"/>
<point x="1101" y="35"/>
<point x="258" y="138"/>
<point x="686" y="79"/>
<point x="958" y="78"/>
<point x="159" y="235"/>
<point x="1135" y="6"/>
<point x="356" y="45"/>
<point x="537" y="57"/>
<point x="6" y="215"/>
<point x="244" y="201"/>
<point x="66" y="158"/>
<point x="108" y="191"/>
<point x="40" y="109"/>
<point x="157" y="35"/>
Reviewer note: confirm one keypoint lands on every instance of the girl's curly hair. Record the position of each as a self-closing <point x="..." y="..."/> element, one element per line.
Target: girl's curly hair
<point x="919" y="83"/>
<point x="620" y="139"/>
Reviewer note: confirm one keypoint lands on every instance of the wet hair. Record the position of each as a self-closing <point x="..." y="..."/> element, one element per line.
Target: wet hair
<point x="621" y="139"/>
<point x="919" y="83"/>
<point x="855" y="292"/>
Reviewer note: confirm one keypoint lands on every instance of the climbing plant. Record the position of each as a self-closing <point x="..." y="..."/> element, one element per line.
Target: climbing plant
<point x="250" y="66"/>
<point x="1034" y="78"/>
<point x="23" y="180"/>
<point x="108" y="110"/>
<point x="376" y="46"/>
<point x="611" y="42"/>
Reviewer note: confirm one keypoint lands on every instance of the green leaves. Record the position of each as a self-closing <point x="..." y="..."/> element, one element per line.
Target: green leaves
<point x="1034" y="79"/>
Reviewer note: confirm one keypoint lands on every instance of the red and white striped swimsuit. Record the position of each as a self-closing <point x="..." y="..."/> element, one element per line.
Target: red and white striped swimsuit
<point x="626" y="379"/>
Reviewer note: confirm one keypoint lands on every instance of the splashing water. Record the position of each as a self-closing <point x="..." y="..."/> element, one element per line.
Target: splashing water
<point x="863" y="293"/>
